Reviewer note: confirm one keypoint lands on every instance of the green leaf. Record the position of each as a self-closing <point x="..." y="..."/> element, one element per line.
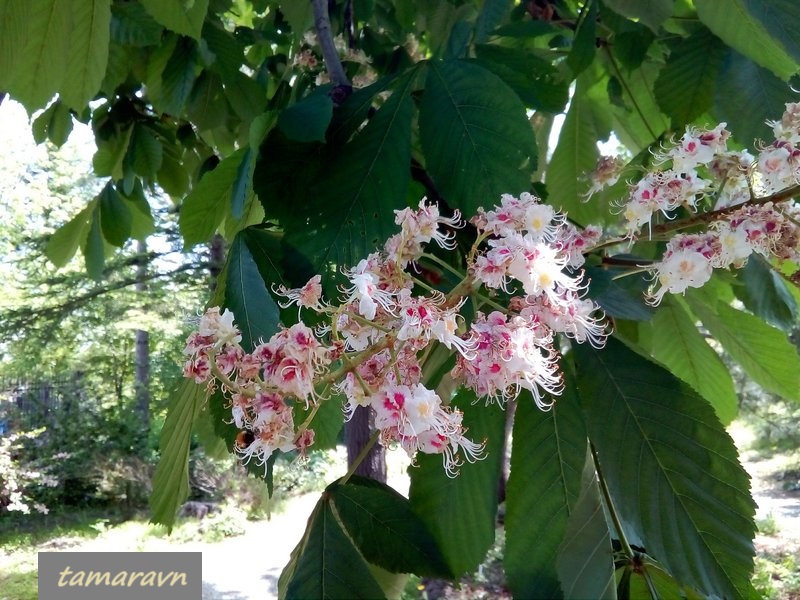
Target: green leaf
<point x="746" y="96"/>
<point x="327" y="423"/>
<point x="765" y="293"/>
<point x="208" y="107"/>
<point x="115" y="217"/>
<point x="685" y="87"/>
<point x="537" y="82"/>
<point x="781" y="18"/>
<point x="110" y="156"/>
<point x="461" y="512"/>
<point x="574" y="156"/>
<point x="385" y="529"/>
<point x="671" y="468"/>
<point x="349" y="210"/>
<point x="547" y="458"/>
<point x="142" y="222"/>
<point x="206" y="205"/>
<point x="242" y="184"/>
<point x="66" y="240"/>
<point x="477" y="140"/>
<point x="177" y="79"/>
<point x="247" y="296"/>
<point x="145" y="152"/>
<point x="54" y="123"/>
<point x="171" y="479"/>
<point x="733" y="22"/>
<point x="764" y="352"/>
<point x="584" y="45"/>
<point x="585" y="562"/>
<point x="620" y="298"/>
<point x="88" y="52"/>
<point x="307" y="120"/>
<point x="94" y="253"/>
<point x="182" y="16"/>
<point x="493" y="13"/>
<point x="132" y="25"/>
<point x="650" y="12"/>
<point x="248" y="99"/>
<point x="640" y="123"/>
<point x="299" y="15"/>
<point x="34" y="72"/>
<point x="325" y="564"/>
<point x="674" y="340"/>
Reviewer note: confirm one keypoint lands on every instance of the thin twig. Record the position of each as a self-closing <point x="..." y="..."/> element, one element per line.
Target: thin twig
<point x="342" y="87"/>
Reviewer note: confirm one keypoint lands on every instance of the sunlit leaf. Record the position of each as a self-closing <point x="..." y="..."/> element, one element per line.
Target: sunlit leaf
<point x="88" y="52"/>
<point x="184" y="17"/>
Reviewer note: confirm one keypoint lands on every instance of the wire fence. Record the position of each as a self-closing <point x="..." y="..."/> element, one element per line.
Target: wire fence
<point x="28" y="404"/>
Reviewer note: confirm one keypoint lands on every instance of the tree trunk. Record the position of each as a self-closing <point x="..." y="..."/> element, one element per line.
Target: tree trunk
<point x="141" y="383"/>
<point x="357" y="432"/>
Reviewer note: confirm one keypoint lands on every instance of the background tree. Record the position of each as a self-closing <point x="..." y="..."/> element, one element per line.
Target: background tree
<point x="249" y="123"/>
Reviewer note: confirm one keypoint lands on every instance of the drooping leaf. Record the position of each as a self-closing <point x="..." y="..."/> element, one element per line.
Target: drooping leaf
<point x="650" y="12"/>
<point x="674" y="340"/>
<point x="88" y="52"/>
<point x="94" y="254"/>
<point x="461" y="512"/>
<point x="34" y="71"/>
<point x="181" y="16"/>
<point x="177" y="78"/>
<point x="671" y="468"/>
<point x="142" y="222"/>
<point x="741" y="30"/>
<point x="325" y="564"/>
<point x="535" y="80"/>
<point x="54" y="123"/>
<point x="780" y="18"/>
<point x="349" y="210"/>
<point x="764" y="352"/>
<point x="475" y="135"/>
<point x="493" y="13"/>
<point x="205" y="206"/>
<point x="547" y="459"/>
<point x="584" y="561"/>
<point x="746" y="96"/>
<point x="765" y="293"/>
<point x="242" y="184"/>
<point x="207" y="106"/>
<point x="385" y="529"/>
<point x="584" y="45"/>
<point x="115" y="217"/>
<point x="66" y="240"/>
<point x="171" y="479"/>
<point x="685" y="87"/>
<point x="145" y="152"/>
<point x="132" y="25"/>
<point x="247" y="296"/>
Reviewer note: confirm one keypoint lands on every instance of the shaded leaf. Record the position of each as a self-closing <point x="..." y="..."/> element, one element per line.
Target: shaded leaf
<point x="650" y="12"/>
<point x="325" y="564"/>
<point x="307" y="120"/>
<point x="584" y="44"/>
<point x="88" y="52"/>
<point x="66" y="240"/>
<point x="475" y="135"/>
<point x="94" y="253"/>
<point x="242" y="184"/>
<point x="741" y="30"/>
<point x="676" y="480"/>
<point x="184" y="17"/>
<point x="54" y="123"/>
<point x="547" y="459"/>
<point x="675" y="341"/>
<point x="461" y="512"/>
<point x="115" y="217"/>
<point x="764" y="352"/>
<point x="781" y="19"/>
<point x="171" y="479"/>
<point x="247" y="296"/>
<point x="585" y="562"/>
<point x="132" y="25"/>
<point x="493" y="13"/>
<point x="765" y="294"/>
<point x="145" y="152"/>
<point x="385" y="529"/>
<point x="621" y="298"/>
<point x="685" y="87"/>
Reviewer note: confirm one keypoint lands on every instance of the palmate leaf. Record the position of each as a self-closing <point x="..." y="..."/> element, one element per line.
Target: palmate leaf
<point x="671" y="468"/>
<point x="475" y="135"/>
<point x="461" y="512"/>
<point x="385" y="529"/>
<point x="349" y="211"/>
<point x="763" y="351"/>
<point x="88" y="52"/>
<point x="781" y="18"/>
<point x="325" y="564"/>
<point x="171" y="479"/>
<point x="547" y="458"/>
<point x="585" y="563"/>
<point x="674" y="340"/>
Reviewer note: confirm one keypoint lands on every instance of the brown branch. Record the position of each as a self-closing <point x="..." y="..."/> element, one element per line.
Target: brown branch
<point x="702" y="218"/>
<point x="342" y="87"/>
